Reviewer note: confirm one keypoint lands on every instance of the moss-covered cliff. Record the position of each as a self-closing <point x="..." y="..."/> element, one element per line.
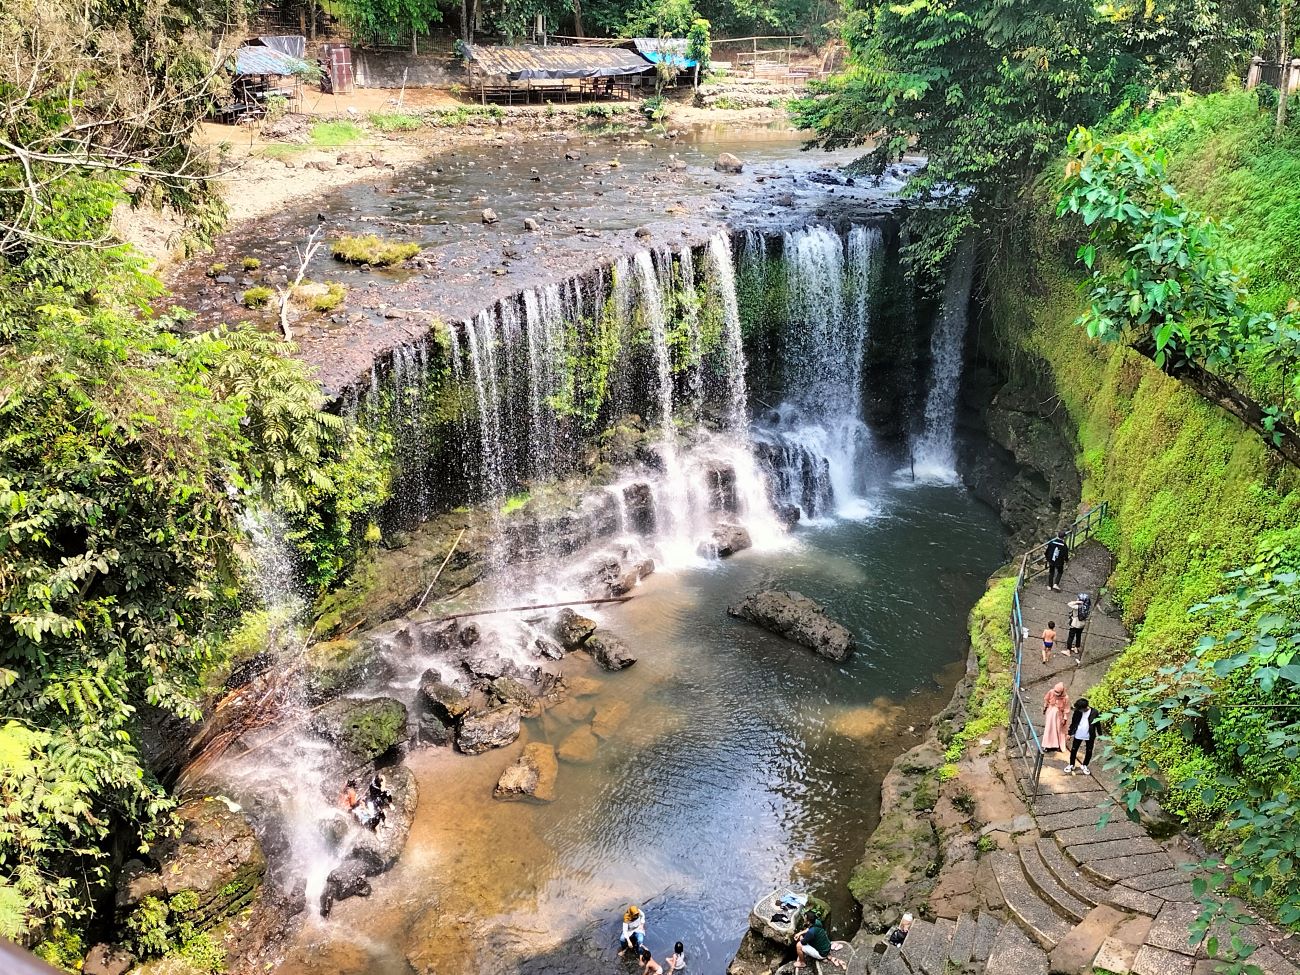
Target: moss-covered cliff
<point x="1194" y="492"/>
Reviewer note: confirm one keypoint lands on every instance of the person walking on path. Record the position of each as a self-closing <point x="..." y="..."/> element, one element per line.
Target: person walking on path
<point x="1057" y="554"/>
<point x="1085" y="727"/>
<point x="1080" y="610"/>
<point x="1049" y="638"/>
<point x="1056" y="710"/>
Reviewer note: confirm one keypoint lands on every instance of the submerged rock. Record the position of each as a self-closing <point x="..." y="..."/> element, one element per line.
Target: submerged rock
<point x="363" y="728"/>
<point x="511" y="690"/>
<point x="610" y="652"/>
<point x="796" y="617"/>
<point x="579" y="748"/>
<point x="532" y="776"/>
<point x="481" y="731"/>
<point x="572" y="630"/>
<point x="727" y="163"/>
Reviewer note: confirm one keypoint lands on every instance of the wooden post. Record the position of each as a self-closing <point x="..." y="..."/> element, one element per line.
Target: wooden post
<point x="753" y="68"/>
<point x="1252" y="76"/>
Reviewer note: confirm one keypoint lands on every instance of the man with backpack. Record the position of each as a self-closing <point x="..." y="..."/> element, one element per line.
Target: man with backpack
<point x="1057" y="554"/>
<point x="1079" y="611"/>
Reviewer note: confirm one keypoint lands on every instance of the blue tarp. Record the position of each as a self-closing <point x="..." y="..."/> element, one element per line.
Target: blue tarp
<point x="666" y="50"/>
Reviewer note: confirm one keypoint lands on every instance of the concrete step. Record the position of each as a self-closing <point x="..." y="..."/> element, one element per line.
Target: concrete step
<point x="1038" y="917"/>
<point x="1014" y="954"/>
<point x="935" y="959"/>
<point x="1069" y="875"/>
<point x="889" y="963"/>
<point x="1044" y="881"/>
<point x="963" y="940"/>
<point x="920" y="936"/>
<point x="1120" y="868"/>
<point x="987" y="927"/>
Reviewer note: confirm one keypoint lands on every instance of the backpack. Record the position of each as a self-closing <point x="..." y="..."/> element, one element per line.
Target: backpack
<point x="1084" y="608"/>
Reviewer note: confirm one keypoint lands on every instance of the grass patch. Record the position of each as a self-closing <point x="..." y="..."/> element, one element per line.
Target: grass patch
<point x="250" y="263"/>
<point x="310" y="294"/>
<point x="373" y="250"/>
<point x="257" y="297"/>
<point x="215" y="269"/>
<point x="394" y="121"/>
<point x="331" y="135"/>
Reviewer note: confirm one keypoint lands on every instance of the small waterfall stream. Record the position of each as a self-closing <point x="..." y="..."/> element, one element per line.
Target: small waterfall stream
<point x="935" y="455"/>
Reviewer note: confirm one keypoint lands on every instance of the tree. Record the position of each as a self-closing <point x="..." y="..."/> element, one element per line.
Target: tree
<point x="698" y="47"/>
<point x="391" y="20"/>
<point x="986" y="91"/>
<point x="1159" y="282"/>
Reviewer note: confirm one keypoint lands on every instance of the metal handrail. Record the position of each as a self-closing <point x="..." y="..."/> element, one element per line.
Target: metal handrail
<point x="15" y="961"/>
<point x="1021" y="733"/>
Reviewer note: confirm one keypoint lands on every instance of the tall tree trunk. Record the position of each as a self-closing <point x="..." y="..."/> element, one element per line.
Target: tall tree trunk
<point x="1284" y="80"/>
<point x="577" y="18"/>
<point x="465" y="34"/>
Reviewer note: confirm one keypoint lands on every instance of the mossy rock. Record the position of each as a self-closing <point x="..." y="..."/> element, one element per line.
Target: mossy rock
<point x="335" y="666"/>
<point x="364" y="728"/>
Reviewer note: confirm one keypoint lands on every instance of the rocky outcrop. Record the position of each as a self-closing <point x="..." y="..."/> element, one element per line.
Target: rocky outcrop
<point x="361" y="728"/>
<point x="334" y="667"/>
<point x="796" y="617"/>
<point x="532" y="776"/>
<point x="610" y="652"/>
<point x="106" y="959"/>
<point x="722" y="489"/>
<point x="727" y="163"/>
<point x="440" y="706"/>
<point x="572" y="630"/>
<point x="203" y="875"/>
<point x="639" y="508"/>
<point x="379" y="849"/>
<point x="481" y="731"/>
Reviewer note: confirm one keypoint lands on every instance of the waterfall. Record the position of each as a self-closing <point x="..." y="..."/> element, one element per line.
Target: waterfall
<point x="815" y="442"/>
<point x="481" y="342"/>
<point x="652" y="306"/>
<point x="933" y="452"/>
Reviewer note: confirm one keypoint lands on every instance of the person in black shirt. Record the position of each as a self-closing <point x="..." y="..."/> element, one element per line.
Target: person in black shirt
<point x="1057" y="554"/>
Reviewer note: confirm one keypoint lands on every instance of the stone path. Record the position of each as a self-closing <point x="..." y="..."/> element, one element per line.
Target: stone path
<point x="1064" y="896"/>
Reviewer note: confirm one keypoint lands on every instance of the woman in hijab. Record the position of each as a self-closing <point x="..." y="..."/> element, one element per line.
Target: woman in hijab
<point x="1056" y="718"/>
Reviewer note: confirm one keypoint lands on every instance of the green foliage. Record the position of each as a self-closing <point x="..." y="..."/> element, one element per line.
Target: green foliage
<point x="334" y="294"/>
<point x="63" y="949"/>
<point x="250" y="263"/>
<point x="258" y="296"/>
<point x="986" y="91"/>
<point x="660" y="18"/>
<point x="394" y="121"/>
<point x="204" y="953"/>
<point x="698" y="44"/>
<point x="1159" y="278"/>
<point x="392" y="21"/>
<point x="515" y="502"/>
<point x="373" y="250"/>
<point x="147" y="929"/>
<point x="332" y="135"/>
<point x="655" y="108"/>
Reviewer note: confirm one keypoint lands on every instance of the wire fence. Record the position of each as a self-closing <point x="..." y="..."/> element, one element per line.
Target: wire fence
<point x="1022" y="737"/>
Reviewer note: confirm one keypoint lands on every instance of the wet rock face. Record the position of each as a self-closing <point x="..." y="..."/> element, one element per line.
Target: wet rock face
<point x="728" y="540"/>
<point x="532" y="776"/>
<point x="335" y="666"/>
<point x="481" y="731"/>
<point x="786" y="514"/>
<point x="797" y="618"/>
<point x="610" y="652"/>
<point x="440" y="707"/>
<point x="379" y="849"/>
<point x="207" y="873"/>
<point x="722" y="489"/>
<point x="361" y="728"/>
<point x="572" y="630"/>
<point x="639" y="502"/>
<point x="107" y="960"/>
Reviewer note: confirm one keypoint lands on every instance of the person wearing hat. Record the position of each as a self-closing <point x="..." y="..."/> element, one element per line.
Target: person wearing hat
<point x="633" y="930"/>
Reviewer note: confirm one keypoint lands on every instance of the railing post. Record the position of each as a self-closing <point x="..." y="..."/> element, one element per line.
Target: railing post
<point x="1252" y="76"/>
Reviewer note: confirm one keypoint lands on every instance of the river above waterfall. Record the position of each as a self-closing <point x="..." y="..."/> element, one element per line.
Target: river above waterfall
<point x="729" y="761"/>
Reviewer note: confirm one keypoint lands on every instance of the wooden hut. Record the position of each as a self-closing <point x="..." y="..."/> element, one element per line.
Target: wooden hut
<point x="555" y="74"/>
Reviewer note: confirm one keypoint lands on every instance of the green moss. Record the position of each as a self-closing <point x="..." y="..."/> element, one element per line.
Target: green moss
<point x="925" y="796"/>
<point x="373" y="250"/>
<point x="515" y="502"/>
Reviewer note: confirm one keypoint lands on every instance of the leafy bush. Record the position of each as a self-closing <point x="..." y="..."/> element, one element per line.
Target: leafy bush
<point x="655" y="108"/>
<point x="250" y="263"/>
<point x="373" y="250"/>
<point x="258" y="296"/>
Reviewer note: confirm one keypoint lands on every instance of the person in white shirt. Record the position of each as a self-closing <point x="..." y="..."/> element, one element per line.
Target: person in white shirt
<point x="633" y="930"/>
<point x="1085" y="727"/>
<point x="677" y="960"/>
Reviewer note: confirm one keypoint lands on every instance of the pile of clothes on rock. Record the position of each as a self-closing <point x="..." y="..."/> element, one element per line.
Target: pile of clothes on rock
<point x="368" y="808"/>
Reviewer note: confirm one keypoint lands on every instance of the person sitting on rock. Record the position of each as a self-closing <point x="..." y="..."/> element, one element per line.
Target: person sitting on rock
<point x="633" y="930"/>
<point x="813" y="942"/>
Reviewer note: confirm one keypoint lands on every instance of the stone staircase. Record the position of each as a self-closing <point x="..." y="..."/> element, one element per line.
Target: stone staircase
<point x="1070" y="896"/>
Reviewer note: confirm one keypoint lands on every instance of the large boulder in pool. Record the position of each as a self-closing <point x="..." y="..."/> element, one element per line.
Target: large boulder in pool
<point x="796" y="617"/>
<point x="440" y="706"/>
<point x="727" y="539"/>
<point x="362" y="728"/>
<point x="571" y="629"/>
<point x="610" y="652"/>
<point x="532" y="776"/>
<point x="481" y="731"/>
<point x="379" y="849"/>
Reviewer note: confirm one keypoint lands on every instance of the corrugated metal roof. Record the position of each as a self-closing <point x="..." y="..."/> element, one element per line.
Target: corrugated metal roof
<point x="670" y="50"/>
<point x="264" y="60"/>
<point x="530" y="63"/>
